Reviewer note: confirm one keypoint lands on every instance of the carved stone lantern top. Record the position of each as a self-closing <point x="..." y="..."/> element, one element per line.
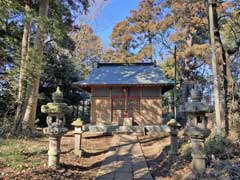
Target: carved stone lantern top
<point x="77" y="126"/>
<point x="174" y="124"/>
<point x="57" y="96"/>
<point x="77" y="123"/>
<point x="57" y="106"/>
<point x="197" y="106"/>
<point x="56" y="111"/>
<point x="197" y="120"/>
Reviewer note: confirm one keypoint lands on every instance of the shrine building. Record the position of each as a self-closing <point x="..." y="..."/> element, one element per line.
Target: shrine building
<point x="120" y="91"/>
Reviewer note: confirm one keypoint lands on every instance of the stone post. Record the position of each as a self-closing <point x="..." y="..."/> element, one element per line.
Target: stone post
<point x="54" y="152"/>
<point x="77" y="136"/>
<point x="174" y="126"/>
<point x="198" y="137"/>
<point x="197" y="130"/>
<point x="198" y="154"/>
<point x="55" y="129"/>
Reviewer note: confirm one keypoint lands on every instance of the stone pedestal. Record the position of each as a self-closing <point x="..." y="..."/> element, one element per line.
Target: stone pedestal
<point x="54" y="152"/>
<point x="78" y="142"/>
<point x="77" y="137"/>
<point x="198" y="136"/>
<point x="198" y="155"/>
<point x="174" y="143"/>
<point x="174" y="126"/>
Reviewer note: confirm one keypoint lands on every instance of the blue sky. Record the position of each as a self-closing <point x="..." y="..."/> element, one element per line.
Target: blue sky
<point x="108" y="15"/>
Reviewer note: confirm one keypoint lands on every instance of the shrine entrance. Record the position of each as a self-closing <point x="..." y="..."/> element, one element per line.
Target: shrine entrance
<point x="125" y="107"/>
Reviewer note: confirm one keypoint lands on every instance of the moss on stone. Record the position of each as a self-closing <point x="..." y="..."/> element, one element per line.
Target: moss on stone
<point x="77" y="122"/>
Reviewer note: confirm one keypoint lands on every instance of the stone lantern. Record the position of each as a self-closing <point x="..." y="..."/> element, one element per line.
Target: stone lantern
<point x="55" y="120"/>
<point x="78" y="136"/>
<point x="197" y="129"/>
<point x="173" y="126"/>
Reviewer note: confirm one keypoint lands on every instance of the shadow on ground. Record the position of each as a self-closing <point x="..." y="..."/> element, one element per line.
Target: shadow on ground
<point x="165" y="165"/>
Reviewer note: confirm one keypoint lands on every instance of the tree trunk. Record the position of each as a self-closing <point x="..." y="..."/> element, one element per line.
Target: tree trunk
<point x="185" y="85"/>
<point x="37" y="56"/>
<point x="22" y="84"/>
<point x="217" y="103"/>
<point x="83" y="108"/>
<point x="233" y="104"/>
<point x="186" y="73"/>
<point x="150" y="42"/>
<point x="77" y="111"/>
<point x="229" y="86"/>
<point x="222" y="70"/>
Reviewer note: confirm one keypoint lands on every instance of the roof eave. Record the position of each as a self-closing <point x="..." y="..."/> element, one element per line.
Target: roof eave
<point x="87" y="87"/>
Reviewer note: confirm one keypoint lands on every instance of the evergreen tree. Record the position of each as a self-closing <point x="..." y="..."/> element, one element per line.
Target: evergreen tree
<point x="133" y="39"/>
<point x="88" y="49"/>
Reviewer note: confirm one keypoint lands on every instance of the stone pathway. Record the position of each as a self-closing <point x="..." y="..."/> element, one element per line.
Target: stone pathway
<point x="124" y="161"/>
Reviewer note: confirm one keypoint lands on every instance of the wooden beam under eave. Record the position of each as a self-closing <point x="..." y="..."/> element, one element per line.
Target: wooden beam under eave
<point x="88" y="87"/>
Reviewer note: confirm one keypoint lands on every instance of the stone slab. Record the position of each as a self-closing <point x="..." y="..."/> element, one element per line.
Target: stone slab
<point x="102" y="175"/>
<point x="142" y="174"/>
<point x="126" y="129"/>
<point x="123" y="176"/>
<point x="121" y="164"/>
<point x="155" y="128"/>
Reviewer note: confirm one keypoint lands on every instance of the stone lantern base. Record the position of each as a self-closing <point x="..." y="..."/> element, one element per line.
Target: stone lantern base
<point x="174" y="144"/>
<point x="198" y="137"/>
<point x="198" y="155"/>
<point x="173" y="126"/>
<point x="78" y="143"/>
<point x="54" y="152"/>
<point x="78" y="152"/>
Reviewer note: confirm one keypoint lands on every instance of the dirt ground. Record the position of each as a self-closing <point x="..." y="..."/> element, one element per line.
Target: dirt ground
<point x="72" y="167"/>
<point x="27" y="159"/>
<point x="155" y="150"/>
<point x="161" y="165"/>
<point x="224" y="166"/>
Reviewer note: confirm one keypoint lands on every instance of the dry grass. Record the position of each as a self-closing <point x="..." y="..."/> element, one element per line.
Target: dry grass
<point x="27" y="158"/>
<point x="20" y="154"/>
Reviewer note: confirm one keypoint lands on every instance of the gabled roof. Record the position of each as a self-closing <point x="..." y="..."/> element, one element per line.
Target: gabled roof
<point x="120" y="74"/>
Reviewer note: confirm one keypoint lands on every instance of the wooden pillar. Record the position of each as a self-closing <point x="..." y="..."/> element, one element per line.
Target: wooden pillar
<point x="140" y="102"/>
<point x="110" y="96"/>
<point x="125" y="91"/>
<point x="91" y="110"/>
<point x="161" y="103"/>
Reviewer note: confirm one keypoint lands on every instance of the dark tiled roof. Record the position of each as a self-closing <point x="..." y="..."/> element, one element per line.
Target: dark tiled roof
<point x="126" y="74"/>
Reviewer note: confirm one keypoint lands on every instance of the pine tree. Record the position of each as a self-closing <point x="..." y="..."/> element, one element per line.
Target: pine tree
<point x="133" y="39"/>
<point x="88" y="49"/>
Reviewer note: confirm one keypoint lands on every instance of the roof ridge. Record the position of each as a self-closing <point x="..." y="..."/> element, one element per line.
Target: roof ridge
<point x="126" y="64"/>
